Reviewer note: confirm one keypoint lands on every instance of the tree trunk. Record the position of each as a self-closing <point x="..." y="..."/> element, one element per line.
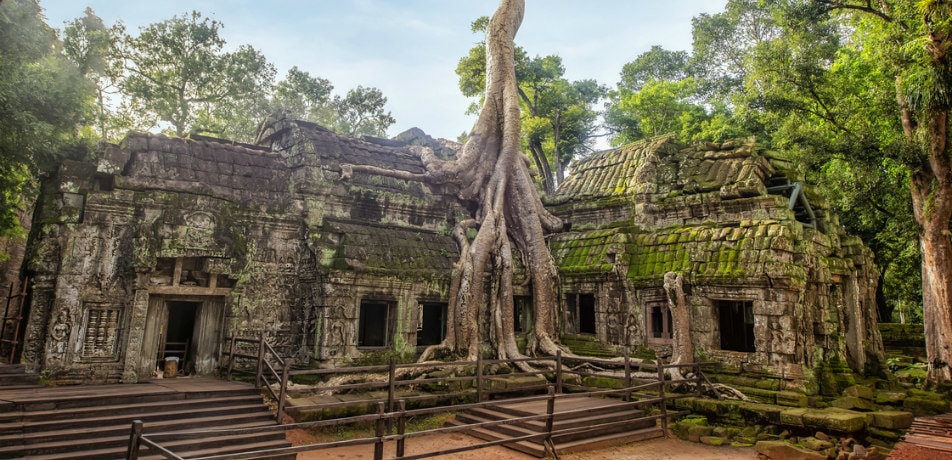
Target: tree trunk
<point x="932" y="204"/>
<point x="683" y="349"/>
<point x="491" y="170"/>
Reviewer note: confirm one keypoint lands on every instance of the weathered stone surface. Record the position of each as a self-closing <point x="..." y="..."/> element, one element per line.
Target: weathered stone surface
<point x="890" y="420"/>
<point x="779" y="450"/>
<point x="791" y="398"/>
<point x="815" y="444"/>
<point x="713" y="440"/>
<point x="837" y="420"/>
<point x="859" y="391"/>
<point x="923" y="407"/>
<point x="696" y="432"/>
<point x="852" y="402"/>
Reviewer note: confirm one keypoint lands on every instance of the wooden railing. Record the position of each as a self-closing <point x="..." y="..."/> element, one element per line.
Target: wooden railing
<point x="652" y="394"/>
<point x="272" y="371"/>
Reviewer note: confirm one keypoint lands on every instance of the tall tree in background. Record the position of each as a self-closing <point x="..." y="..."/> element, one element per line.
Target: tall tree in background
<point x="559" y="116"/>
<point x="861" y="91"/>
<point x="43" y="100"/>
<point x="178" y="72"/>
<point x="91" y="45"/>
<point x="910" y="43"/>
<point x="492" y="171"/>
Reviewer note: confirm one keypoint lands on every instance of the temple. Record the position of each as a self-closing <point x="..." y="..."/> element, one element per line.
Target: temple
<point x="165" y="246"/>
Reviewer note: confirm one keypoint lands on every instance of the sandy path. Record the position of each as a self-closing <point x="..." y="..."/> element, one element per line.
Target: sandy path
<point x="656" y="449"/>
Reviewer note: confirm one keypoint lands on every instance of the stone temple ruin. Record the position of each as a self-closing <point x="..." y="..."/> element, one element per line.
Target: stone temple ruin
<point x="166" y="245"/>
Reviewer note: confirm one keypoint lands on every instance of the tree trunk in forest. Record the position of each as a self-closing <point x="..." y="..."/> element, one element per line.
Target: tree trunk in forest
<point x="932" y="205"/>
<point x="683" y="349"/>
<point x="510" y="219"/>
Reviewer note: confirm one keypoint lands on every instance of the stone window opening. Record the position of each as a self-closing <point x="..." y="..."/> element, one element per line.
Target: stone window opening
<point x="431" y="323"/>
<point x="377" y="324"/>
<point x="580" y="313"/>
<point x="658" y="319"/>
<point x="735" y="319"/>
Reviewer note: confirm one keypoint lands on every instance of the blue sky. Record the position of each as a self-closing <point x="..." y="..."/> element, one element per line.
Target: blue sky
<point x="409" y="48"/>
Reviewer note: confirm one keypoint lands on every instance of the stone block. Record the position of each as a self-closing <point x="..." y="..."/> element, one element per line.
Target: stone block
<point x="890" y="419"/>
<point x="854" y="403"/>
<point x="922" y="406"/>
<point x="838" y="420"/>
<point x="815" y="444"/>
<point x="779" y="450"/>
<point x="860" y="391"/>
<point x="791" y="399"/>
<point x="696" y="432"/>
<point x="793" y="417"/>
<point x="713" y="440"/>
<point x="890" y="397"/>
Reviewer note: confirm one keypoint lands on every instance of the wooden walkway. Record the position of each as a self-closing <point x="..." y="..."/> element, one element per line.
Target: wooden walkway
<point x="151" y="387"/>
<point x="932" y="433"/>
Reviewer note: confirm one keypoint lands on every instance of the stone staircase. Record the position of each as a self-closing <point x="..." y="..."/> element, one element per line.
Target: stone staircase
<point x="15" y="376"/>
<point x="94" y="422"/>
<point x="582" y="418"/>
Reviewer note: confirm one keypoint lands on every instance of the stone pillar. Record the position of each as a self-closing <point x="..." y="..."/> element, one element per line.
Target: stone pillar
<point x="133" y="346"/>
<point x="41" y="300"/>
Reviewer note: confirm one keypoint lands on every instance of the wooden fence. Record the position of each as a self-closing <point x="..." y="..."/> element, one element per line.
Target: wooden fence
<point x="637" y="385"/>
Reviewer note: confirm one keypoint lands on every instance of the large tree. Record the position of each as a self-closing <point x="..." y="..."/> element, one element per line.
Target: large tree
<point x="911" y="43"/>
<point x="178" y="72"/>
<point x="43" y="100"/>
<point x="559" y="120"/>
<point x="492" y="171"/>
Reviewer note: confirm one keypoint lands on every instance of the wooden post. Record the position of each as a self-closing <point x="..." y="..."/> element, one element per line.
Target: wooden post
<point x="697" y="375"/>
<point x="379" y="431"/>
<point x="664" y="406"/>
<point x="391" y="388"/>
<point x="260" y="375"/>
<point x="134" y="435"/>
<point x="550" y="416"/>
<point x="558" y="371"/>
<point x="479" y="378"/>
<point x="627" y="376"/>
<point x="283" y="393"/>
<point x="401" y="427"/>
<point x="231" y="356"/>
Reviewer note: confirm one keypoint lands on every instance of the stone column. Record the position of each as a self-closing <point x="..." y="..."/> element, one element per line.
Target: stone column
<point x="137" y="319"/>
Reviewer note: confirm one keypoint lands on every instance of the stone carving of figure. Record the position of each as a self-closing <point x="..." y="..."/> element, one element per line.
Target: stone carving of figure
<point x="613" y="329"/>
<point x="631" y="330"/>
<point x="60" y="336"/>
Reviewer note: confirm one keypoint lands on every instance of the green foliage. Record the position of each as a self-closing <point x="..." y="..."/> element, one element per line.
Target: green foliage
<point x="43" y="98"/>
<point x="559" y="119"/>
<point x="178" y="72"/>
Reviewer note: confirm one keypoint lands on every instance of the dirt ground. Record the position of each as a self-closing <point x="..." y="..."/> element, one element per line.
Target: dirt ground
<point x="656" y="449"/>
<point x="905" y="451"/>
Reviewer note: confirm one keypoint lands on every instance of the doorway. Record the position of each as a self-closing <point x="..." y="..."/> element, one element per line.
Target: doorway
<point x="179" y="329"/>
<point x="187" y="327"/>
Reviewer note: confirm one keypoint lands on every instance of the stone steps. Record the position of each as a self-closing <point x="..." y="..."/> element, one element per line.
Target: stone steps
<point x="578" y="424"/>
<point x="94" y="422"/>
<point x="16" y="376"/>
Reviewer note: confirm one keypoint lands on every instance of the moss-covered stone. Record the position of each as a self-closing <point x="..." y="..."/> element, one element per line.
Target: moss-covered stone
<point x="890" y="419"/>
<point x="923" y="407"/>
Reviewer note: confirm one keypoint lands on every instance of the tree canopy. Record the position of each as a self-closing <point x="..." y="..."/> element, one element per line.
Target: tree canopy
<point x="559" y="118"/>
<point x="44" y="100"/>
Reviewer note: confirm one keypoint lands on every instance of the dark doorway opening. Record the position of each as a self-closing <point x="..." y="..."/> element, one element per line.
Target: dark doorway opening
<point x="580" y="313"/>
<point x="432" y="326"/>
<point x="659" y="320"/>
<point x="736" y="321"/>
<point x="178" y="331"/>
<point x="586" y="314"/>
<point x="375" y="328"/>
